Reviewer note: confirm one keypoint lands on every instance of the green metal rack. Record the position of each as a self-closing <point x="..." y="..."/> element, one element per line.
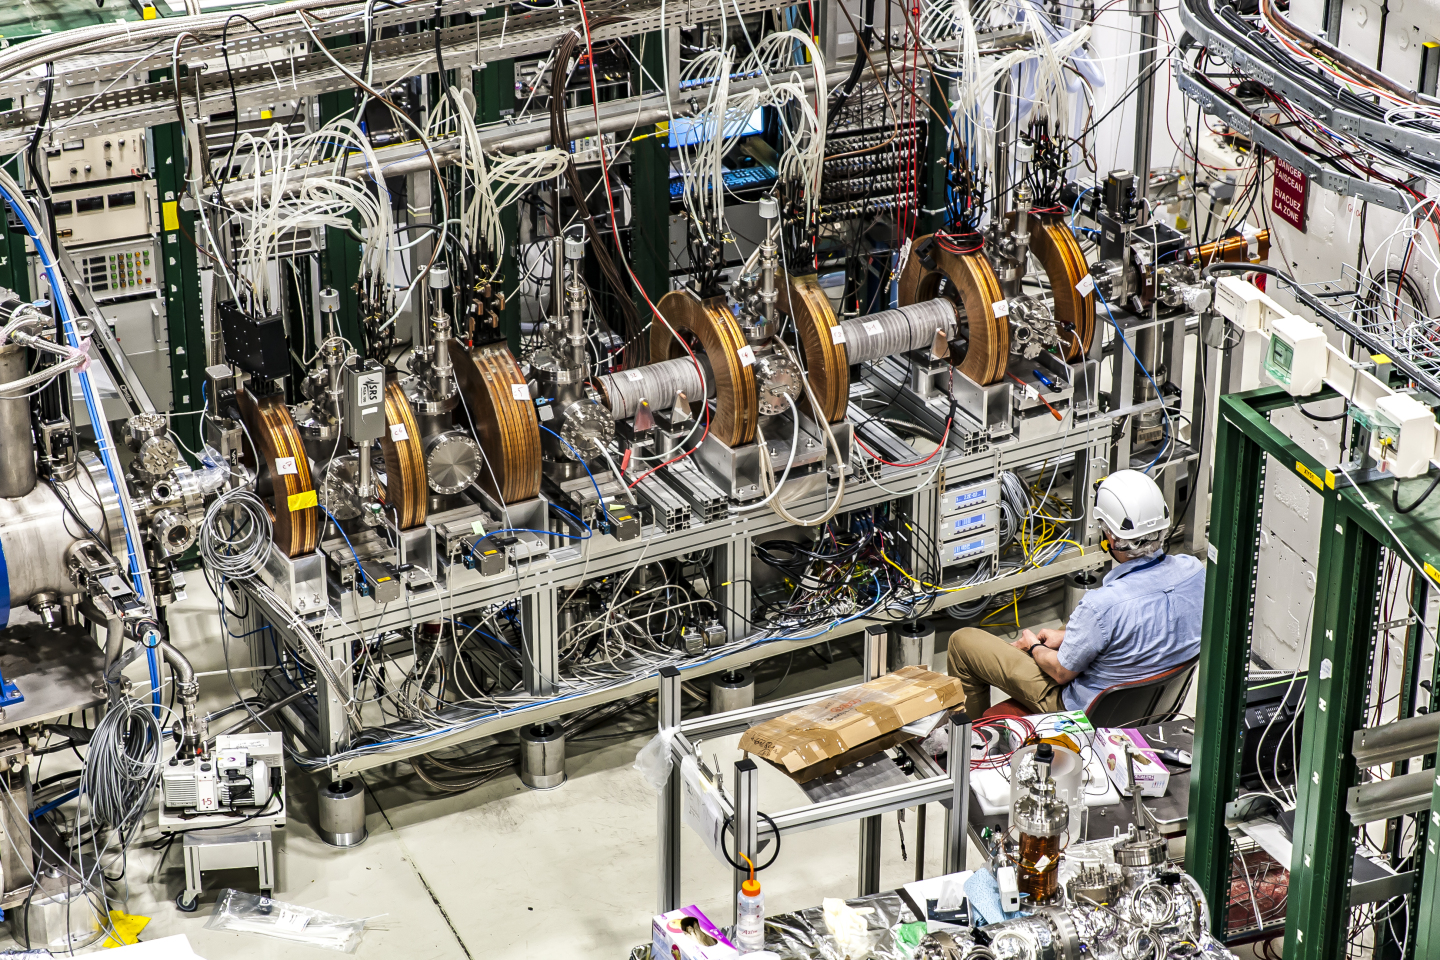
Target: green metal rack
<point x="1356" y="522"/>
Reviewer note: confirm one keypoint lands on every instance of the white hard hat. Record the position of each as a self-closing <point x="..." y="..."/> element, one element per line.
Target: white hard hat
<point x="1131" y="505"/>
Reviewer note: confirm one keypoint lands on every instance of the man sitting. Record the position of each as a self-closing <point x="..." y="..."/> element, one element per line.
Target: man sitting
<point x="1143" y="620"/>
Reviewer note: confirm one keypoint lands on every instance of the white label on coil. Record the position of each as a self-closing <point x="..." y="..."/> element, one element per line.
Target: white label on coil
<point x="634" y="376"/>
<point x="1086" y="284"/>
<point x="837" y="334"/>
<point x="1001" y="308"/>
<point x="746" y="355"/>
<point x="873" y="327"/>
<point x="285" y="466"/>
<point x="1042" y="863"/>
<point x="291" y="920"/>
<point x="520" y="391"/>
<point x="546" y="413"/>
<point x="398" y="432"/>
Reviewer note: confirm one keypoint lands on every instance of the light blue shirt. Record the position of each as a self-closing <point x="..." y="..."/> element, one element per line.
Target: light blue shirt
<point x="1144" y="619"/>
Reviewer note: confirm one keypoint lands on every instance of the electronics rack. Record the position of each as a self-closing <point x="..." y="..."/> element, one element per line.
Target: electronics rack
<point x="538" y="585"/>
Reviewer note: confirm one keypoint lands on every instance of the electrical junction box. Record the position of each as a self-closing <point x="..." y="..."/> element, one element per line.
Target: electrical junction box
<point x="364" y="404"/>
<point x="1244" y="304"/>
<point x="1297" y="356"/>
<point x="1402" y="437"/>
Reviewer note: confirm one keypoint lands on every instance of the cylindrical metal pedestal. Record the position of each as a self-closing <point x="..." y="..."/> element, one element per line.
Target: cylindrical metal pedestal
<point x="732" y="690"/>
<point x="342" y="813"/>
<point x="911" y="644"/>
<point x="542" y="756"/>
<point x="1077" y="585"/>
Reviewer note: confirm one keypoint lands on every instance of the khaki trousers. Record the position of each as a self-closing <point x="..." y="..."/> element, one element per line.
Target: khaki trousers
<point x="981" y="660"/>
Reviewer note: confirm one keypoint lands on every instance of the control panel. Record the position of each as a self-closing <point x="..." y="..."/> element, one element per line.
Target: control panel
<point x="93" y="159"/>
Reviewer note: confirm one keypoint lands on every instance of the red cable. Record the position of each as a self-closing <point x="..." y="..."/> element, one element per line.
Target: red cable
<point x="615" y="232"/>
<point x="943" y="437"/>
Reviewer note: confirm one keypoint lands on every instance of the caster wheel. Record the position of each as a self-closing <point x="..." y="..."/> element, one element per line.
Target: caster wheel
<point x="186" y="906"/>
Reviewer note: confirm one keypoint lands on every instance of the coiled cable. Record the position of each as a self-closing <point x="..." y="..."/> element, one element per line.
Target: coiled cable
<point x="235" y="535"/>
<point x="122" y="769"/>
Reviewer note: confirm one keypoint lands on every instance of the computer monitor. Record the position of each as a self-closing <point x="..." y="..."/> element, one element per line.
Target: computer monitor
<point x="687" y="131"/>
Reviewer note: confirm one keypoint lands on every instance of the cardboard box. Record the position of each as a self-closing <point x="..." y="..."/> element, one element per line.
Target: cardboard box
<point x="687" y="934"/>
<point x="851" y="725"/>
<point x="1151" y="775"/>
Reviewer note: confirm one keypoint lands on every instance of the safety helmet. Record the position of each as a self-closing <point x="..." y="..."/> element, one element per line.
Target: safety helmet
<point x="1131" y="506"/>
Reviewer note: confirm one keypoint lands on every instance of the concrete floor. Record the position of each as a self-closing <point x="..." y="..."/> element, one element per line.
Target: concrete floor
<point x="503" y="872"/>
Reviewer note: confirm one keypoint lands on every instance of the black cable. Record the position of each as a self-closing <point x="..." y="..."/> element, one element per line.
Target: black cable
<point x="439" y="58"/>
<point x="32" y="154"/>
<point x="1317" y="417"/>
<point x="1395" y="496"/>
<point x="725" y="851"/>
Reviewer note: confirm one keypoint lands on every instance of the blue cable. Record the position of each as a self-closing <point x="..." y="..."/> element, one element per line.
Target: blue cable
<point x="1164" y="424"/>
<point x="53" y="804"/>
<point x="57" y="287"/>
<point x="578" y="521"/>
<point x="359" y="570"/>
<point x="581" y="461"/>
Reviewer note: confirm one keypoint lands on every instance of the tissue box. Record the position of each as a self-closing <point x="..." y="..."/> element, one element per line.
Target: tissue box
<point x="687" y="934"/>
<point x="1151" y="776"/>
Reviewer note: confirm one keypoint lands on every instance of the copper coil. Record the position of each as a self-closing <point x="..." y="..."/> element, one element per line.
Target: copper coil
<point x="826" y="365"/>
<point x="718" y="335"/>
<point x="972" y="285"/>
<point x="1234" y="249"/>
<point x="505" y="421"/>
<point x="405" y="481"/>
<point x="293" y="499"/>
<point x="1041" y="885"/>
<point x="1054" y="246"/>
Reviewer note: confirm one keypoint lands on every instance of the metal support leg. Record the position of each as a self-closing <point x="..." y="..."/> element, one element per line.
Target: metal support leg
<point x="1341" y="648"/>
<point x="876" y="638"/>
<point x="732" y="573"/>
<point x="747" y="833"/>
<point x="537" y="612"/>
<point x="958" y="821"/>
<point x="670" y="824"/>
<point x="920" y="843"/>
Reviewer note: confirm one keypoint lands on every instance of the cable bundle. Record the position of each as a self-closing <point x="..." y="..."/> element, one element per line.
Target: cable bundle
<point x="235" y="535"/>
<point x="122" y="769"/>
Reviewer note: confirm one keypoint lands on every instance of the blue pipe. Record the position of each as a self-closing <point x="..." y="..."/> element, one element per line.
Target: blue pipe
<point x="22" y="210"/>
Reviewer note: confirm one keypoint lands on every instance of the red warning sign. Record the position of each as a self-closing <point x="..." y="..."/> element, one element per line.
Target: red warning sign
<point x="1287" y="198"/>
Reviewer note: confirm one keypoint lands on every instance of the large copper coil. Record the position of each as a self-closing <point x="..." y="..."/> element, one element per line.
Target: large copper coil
<point x="711" y="328"/>
<point x="968" y="280"/>
<point x="1054" y="246"/>
<point x="504" y="417"/>
<point x="822" y="349"/>
<point x="293" y="499"/>
<point x="405" y="481"/>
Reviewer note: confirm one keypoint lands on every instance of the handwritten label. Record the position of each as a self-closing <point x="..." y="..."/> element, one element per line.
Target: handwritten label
<point x="746" y="355"/>
<point x="398" y="432"/>
<point x="1001" y="308"/>
<point x="634" y="376"/>
<point x="1086" y="286"/>
<point x="520" y="391"/>
<point x="873" y="327"/>
<point x="285" y="466"/>
<point x="837" y="334"/>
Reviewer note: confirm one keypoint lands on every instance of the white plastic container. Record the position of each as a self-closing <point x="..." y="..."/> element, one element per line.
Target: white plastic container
<point x="750" y="925"/>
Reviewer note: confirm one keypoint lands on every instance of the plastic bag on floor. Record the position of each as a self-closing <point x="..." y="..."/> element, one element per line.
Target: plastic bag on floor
<point x="248" y="913"/>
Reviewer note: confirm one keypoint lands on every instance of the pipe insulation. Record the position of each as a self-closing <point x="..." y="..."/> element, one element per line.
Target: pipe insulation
<point x="656" y="382"/>
<point x="892" y="332"/>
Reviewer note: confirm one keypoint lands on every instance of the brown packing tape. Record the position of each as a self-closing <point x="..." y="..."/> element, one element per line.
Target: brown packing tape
<point x="854" y="719"/>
